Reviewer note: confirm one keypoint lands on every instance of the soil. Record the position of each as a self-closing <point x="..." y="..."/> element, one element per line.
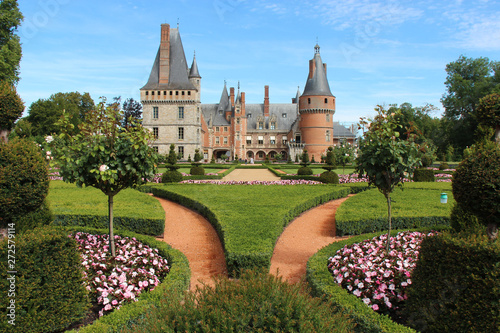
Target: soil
<point x="192" y="234"/>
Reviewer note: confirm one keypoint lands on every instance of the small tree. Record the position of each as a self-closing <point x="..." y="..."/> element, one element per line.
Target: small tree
<point x="305" y="170"/>
<point x="171" y="175"/>
<point x="105" y="155"/>
<point x="344" y="154"/>
<point x="196" y="168"/>
<point x="384" y="158"/>
<point x="329" y="176"/>
<point x="488" y="113"/>
<point x="11" y="108"/>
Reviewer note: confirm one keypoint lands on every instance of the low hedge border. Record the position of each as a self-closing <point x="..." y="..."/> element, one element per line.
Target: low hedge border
<point x="176" y="281"/>
<point x="379" y="224"/>
<point x="237" y="261"/>
<point x="153" y="227"/>
<point x="322" y="283"/>
<point x="296" y="177"/>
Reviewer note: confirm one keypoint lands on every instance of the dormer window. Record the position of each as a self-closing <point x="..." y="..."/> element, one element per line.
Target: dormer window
<point x="283" y="115"/>
<point x="273" y="125"/>
<point x="249" y="115"/>
<point x="261" y="125"/>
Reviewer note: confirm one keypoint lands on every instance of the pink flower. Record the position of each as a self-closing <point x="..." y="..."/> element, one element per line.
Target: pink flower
<point x="103" y="168"/>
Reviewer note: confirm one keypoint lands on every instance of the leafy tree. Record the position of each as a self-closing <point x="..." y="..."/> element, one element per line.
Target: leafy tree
<point x="488" y="113"/>
<point x="196" y="168"/>
<point x="105" y="155"/>
<point x="383" y="157"/>
<point x="44" y="113"/>
<point x="10" y="46"/>
<point x="132" y="109"/>
<point x="467" y="81"/>
<point x="344" y="154"/>
<point x="11" y="108"/>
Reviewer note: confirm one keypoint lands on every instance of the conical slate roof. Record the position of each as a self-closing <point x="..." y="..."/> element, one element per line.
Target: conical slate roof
<point x="194" y="69"/>
<point x="317" y="85"/>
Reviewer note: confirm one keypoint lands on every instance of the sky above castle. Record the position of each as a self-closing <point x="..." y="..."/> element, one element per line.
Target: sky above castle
<point x="377" y="52"/>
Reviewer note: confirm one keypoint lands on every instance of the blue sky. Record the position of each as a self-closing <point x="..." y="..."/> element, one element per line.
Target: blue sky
<point x="377" y="52"/>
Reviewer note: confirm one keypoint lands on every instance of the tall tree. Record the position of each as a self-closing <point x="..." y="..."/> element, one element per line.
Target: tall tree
<point x="44" y="113"/>
<point x="105" y="155"/>
<point x="10" y="46"/>
<point x="11" y="108"/>
<point x="467" y="81"/>
<point x="132" y="112"/>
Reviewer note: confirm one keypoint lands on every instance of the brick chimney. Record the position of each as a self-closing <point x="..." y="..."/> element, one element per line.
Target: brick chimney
<point x="266" y="101"/>
<point x="164" y="54"/>
<point x="231" y="96"/>
<point x="242" y="99"/>
<point x="312" y="67"/>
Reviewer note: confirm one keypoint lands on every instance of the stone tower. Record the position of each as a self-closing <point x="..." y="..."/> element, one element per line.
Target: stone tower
<point x="316" y="109"/>
<point x="171" y="98"/>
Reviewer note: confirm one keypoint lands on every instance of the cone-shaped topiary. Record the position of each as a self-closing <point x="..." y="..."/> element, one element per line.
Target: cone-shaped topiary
<point x="171" y="175"/>
<point x="476" y="185"/>
<point x="196" y="168"/>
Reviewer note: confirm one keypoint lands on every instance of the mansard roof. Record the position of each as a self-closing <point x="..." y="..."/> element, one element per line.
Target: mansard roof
<point x="317" y="85"/>
<point x="178" y="69"/>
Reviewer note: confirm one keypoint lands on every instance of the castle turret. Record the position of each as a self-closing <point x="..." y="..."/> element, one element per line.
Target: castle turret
<point x="316" y="109"/>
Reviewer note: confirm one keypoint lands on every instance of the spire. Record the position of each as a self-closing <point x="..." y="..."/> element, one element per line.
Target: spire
<point x="194" y="68"/>
<point x="238" y="95"/>
<point x="224" y="99"/>
<point x="317" y="82"/>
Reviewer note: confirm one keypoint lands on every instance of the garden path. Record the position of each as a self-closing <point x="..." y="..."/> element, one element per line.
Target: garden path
<point x="192" y="234"/>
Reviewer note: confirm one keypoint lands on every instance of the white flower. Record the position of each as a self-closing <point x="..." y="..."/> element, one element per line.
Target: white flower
<point x="103" y="168"/>
<point x="49" y="139"/>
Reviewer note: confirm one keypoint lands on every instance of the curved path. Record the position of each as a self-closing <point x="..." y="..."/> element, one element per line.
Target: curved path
<point x="192" y="234"/>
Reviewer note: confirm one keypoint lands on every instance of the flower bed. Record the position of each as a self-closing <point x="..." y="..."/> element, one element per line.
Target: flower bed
<point x="113" y="283"/>
<point x="379" y="278"/>
<point x="253" y="182"/>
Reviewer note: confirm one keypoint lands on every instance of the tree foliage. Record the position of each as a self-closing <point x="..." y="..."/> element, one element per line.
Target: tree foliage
<point x="44" y="113"/>
<point x="104" y="154"/>
<point x="132" y="112"/>
<point x="11" y="106"/>
<point x="10" y="45"/>
<point x="383" y="156"/>
<point x="488" y="113"/>
<point x="344" y="153"/>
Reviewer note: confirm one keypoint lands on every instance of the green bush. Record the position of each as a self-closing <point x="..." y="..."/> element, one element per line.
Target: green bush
<point x="49" y="282"/>
<point x="11" y="105"/>
<point x="444" y="166"/>
<point x="197" y="171"/>
<point x="40" y="217"/>
<point x="426" y="161"/>
<point x="24" y="181"/>
<point x="329" y="177"/>
<point x="455" y="285"/>
<point x="476" y="184"/>
<point x="304" y="171"/>
<point x="257" y="302"/>
<point x="171" y="176"/>
<point x="423" y="175"/>
<point x="463" y="221"/>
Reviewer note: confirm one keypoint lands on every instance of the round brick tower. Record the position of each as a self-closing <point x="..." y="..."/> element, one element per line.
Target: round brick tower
<point x="316" y="109"/>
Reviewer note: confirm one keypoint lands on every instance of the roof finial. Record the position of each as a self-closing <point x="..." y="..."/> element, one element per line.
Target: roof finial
<point x="238" y="84"/>
<point x="316" y="47"/>
<point x="177" y="23"/>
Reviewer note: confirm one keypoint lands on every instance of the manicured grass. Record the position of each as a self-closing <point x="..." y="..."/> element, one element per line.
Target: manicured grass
<point x="249" y="219"/>
<point x="68" y="199"/>
<point x="188" y="170"/>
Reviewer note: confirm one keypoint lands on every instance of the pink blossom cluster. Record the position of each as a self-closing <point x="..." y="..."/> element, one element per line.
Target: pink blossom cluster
<point x="207" y="174"/>
<point x="376" y="276"/>
<point x="443" y="175"/>
<point x="253" y="182"/>
<point x="444" y="180"/>
<point x="352" y="178"/>
<point x="437" y="169"/>
<point x="54" y="175"/>
<point x="115" y="282"/>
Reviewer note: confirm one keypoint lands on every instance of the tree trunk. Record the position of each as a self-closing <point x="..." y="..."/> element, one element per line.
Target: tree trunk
<point x="497" y="134"/>
<point x="388" y="196"/>
<point x="492" y="231"/>
<point x="111" y="234"/>
<point x="4" y="135"/>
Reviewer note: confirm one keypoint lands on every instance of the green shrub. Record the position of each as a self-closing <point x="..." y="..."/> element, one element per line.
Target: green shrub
<point x="476" y="184"/>
<point x="304" y="171"/>
<point x="171" y="176"/>
<point x="197" y="171"/>
<point x="455" y="285"/>
<point x="423" y="175"/>
<point x="463" y="221"/>
<point x="24" y="181"/>
<point x="49" y="282"/>
<point x="40" y="217"/>
<point x="444" y="166"/>
<point x="257" y="302"/>
<point x="329" y="177"/>
<point x="426" y="161"/>
<point x="11" y="105"/>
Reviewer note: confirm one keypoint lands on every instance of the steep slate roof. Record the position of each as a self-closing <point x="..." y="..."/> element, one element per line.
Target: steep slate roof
<point x="340" y="131"/>
<point x="178" y="76"/>
<point x="318" y="84"/>
<point x="193" y="72"/>
<point x="277" y="109"/>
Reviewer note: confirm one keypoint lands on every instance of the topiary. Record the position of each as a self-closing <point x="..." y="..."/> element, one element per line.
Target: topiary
<point x="312" y="159"/>
<point x="329" y="159"/>
<point x="11" y="106"/>
<point x="196" y="168"/>
<point x="463" y="221"/>
<point x="49" y="290"/>
<point x="426" y="161"/>
<point x="197" y="171"/>
<point x="304" y="171"/>
<point x="329" y="177"/>
<point x="444" y="166"/>
<point x="189" y="158"/>
<point x="423" y="175"/>
<point x="171" y="176"/>
<point x="24" y="181"/>
<point x="476" y="184"/>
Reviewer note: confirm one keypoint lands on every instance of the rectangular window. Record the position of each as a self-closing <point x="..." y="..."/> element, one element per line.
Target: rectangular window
<point x="261" y="154"/>
<point x="181" y="133"/>
<point x="261" y="140"/>
<point x="238" y="136"/>
<point x="155" y="112"/>
<point x="155" y="133"/>
<point x="225" y="140"/>
<point x="273" y="125"/>
<point x="327" y="117"/>
<point x="261" y="125"/>
<point x="249" y="140"/>
<point x="272" y="140"/>
<point x="284" y="140"/>
<point x="225" y="129"/>
<point x="217" y="141"/>
<point x="237" y="120"/>
<point x="180" y="152"/>
<point x="155" y="149"/>
<point x="216" y="129"/>
<point x="181" y="112"/>
<point x="249" y="115"/>
<point x="327" y="136"/>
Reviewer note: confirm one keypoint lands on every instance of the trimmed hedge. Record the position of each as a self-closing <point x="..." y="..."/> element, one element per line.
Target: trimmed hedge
<point x="176" y="282"/>
<point x="293" y="177"/>
<point x="40" y="217"/>
<point x="49" y="291"/>
<point x="329" y="177"/>
<point x="322" y="283"/>
<point x="463" y="294"/>
<point x="255" y="247"/>
<point x="423" y="175"/>
<point x="171" y="176"/>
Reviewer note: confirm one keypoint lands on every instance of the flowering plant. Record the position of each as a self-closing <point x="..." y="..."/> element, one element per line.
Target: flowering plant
<point x="253" y="182"/>
<point x="114" y="282"/>
<point x="379" y="277"/>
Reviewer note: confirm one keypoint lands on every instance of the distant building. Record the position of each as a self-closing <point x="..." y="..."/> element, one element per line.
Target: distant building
<point x="173" y="111"/>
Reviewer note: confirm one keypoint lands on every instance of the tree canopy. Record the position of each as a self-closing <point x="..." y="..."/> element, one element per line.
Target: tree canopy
<point x="132" y="110"/>
<point x="11" y="105"/>
<point x="10" y="46"/>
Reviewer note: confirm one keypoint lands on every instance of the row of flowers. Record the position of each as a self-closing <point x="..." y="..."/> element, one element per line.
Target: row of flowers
<point x="376" y="276"/>
<point x="253" y="182"/>
<point x="115" y="282"/>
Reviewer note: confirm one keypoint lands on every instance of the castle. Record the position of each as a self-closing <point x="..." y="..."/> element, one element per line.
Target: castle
<point x="173" y="111"/>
